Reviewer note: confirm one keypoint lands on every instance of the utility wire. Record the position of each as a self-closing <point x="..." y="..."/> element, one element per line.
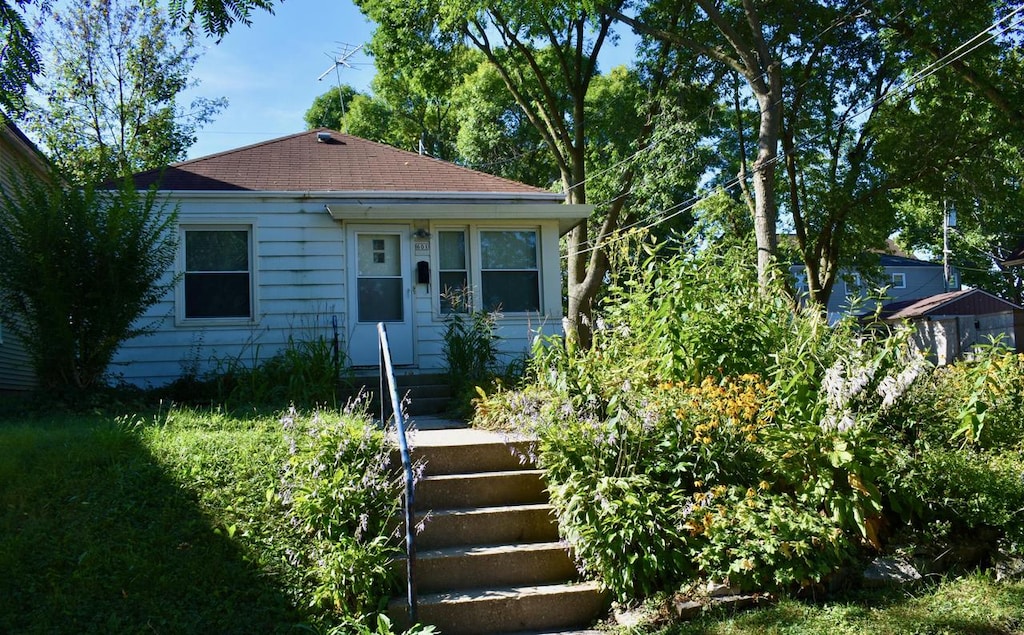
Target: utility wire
<point x="958" y="53"/>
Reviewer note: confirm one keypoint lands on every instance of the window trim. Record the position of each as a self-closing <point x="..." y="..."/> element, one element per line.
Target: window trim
<point x="248" y="225"/>
<point x="902" y="277"/>
<point x="474" y="259"/>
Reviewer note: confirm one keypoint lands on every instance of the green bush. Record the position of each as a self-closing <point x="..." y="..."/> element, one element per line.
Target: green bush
<point x="713" y="431"/>
<point x="78" y="268"/>
<point x="306" y="372"/>
<point x="342" y="493"/>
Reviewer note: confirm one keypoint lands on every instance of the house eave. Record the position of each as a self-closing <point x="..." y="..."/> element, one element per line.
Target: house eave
<point x="385" y="206"/>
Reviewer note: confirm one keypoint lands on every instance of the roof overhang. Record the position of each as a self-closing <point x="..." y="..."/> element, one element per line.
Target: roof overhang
<point x="384" y="206"/>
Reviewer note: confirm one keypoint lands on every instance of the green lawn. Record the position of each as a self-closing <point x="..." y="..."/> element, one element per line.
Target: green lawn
<point x="974" y="604"/>
<point x="129" y="526"/>
<point x="166" y="524"/>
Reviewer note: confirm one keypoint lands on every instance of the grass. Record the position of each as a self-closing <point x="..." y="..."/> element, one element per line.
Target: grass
<point x="973" y="604"/>
<point x="131" y="525"/>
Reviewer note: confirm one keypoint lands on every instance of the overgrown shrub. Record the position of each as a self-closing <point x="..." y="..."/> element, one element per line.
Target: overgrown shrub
<point x="470" y="351"/>
<point x="306" y="372"/>
<point x="713" y="431"/>
<point x="78" y="268"/>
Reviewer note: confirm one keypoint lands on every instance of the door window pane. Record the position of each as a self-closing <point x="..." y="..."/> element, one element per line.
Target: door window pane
<point x="217" y="278"/>
<point x="378" y="255"/>
<point x="379" y="282"/>
<point x="380" y="300"/>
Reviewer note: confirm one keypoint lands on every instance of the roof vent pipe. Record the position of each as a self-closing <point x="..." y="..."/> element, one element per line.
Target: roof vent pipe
<point x="323" y="137"/>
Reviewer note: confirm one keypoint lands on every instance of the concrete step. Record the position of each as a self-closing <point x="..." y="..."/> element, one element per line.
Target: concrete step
<point x="496" y="525"/>
<point x="457" y="568"/>
<point x="507" y="609"/>
<point x="480" y="489"/>
<point x="494" y="456"/>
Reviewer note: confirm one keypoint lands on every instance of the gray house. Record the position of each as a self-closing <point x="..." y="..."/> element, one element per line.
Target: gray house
<point x="322" y="234"/>
<point x="906" y="278"/>
<point x="16" y="153"/>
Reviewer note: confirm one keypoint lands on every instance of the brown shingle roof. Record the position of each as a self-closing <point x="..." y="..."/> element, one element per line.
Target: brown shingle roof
<point x="963" y="302"/>
<point x="342" y="163"/>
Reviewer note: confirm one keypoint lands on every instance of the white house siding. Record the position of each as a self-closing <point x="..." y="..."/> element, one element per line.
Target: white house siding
<point x="300" y="283"/>
<point x="15" y="154"/>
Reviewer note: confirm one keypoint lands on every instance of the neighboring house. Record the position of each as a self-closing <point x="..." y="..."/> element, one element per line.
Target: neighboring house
<point x="16" y="153"/>
<point x="907" y="278"/>
<point x="951" y="324"/>
<point x="1016" y="258"/>
<point x="321" y="234"/>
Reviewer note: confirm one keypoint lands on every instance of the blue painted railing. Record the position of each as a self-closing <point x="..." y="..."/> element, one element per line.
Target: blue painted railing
<point x="389" y="389"/>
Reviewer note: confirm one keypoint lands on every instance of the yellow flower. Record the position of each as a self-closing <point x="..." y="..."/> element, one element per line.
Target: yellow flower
<point x="764" y="485"/>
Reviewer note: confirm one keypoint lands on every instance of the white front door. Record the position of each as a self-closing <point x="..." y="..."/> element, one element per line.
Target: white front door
<point x="380" y="290"/>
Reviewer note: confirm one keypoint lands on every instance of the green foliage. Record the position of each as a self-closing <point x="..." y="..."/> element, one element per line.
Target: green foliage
<point x="306" y="372"/>
<point x="110" y="101"/>
<point x="709" y="434"/>
<point x="19" y="62"/>
<point x="342" y="493"/>
<point x="329" y="110"/>
<point x="470" y="351"/>
<point x="78" y="267"/>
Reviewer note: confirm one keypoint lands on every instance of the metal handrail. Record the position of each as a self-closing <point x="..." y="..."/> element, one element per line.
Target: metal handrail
<point x="388" y="387"/>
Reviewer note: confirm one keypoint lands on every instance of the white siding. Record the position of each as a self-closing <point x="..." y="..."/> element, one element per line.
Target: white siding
<point x="300" y="285"/>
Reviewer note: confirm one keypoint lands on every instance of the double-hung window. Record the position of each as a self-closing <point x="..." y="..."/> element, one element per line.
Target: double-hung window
<point x="218" y="272"/>
<point x="509" y="275"/>
<point x="453" y="271"/>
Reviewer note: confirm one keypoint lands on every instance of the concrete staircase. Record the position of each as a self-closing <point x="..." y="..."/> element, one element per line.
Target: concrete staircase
<point x="427" y="394"/>
<point x="489" y="559"/>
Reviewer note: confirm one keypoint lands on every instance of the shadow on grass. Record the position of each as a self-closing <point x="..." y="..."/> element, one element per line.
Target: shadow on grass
<point x="95" y="537"/>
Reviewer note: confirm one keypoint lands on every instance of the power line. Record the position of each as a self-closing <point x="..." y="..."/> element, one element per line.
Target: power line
<point x="958" y="53"/>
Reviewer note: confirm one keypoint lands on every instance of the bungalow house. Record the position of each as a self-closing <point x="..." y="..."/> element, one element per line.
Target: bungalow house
<point x="951" y="324"/>
<point x="322" y="234"/>
<point x="17" y="153"/>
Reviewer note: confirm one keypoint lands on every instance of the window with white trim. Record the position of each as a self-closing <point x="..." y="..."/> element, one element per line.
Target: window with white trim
<point x="899" y="280"/>
<point x="853" y="285"/>
<point x="217" y="279"/>
<point x="509" y="272"/>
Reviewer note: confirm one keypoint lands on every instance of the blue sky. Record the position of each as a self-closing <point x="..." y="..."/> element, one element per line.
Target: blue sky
<point x="268" y="71"/>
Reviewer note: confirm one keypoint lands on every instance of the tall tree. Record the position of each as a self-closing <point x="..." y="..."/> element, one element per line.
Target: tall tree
<point x="20" y="59"/>
<point x="109" y="103"/>
<point x="330" y="109"/>
<point x="546" y="55"/>
<point x="733" y="34"/>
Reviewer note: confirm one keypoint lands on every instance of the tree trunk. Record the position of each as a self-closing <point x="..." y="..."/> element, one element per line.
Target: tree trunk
<point x="765" y="208"/>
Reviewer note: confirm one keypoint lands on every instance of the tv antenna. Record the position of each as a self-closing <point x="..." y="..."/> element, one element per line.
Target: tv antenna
<point x="339" y="60"/>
